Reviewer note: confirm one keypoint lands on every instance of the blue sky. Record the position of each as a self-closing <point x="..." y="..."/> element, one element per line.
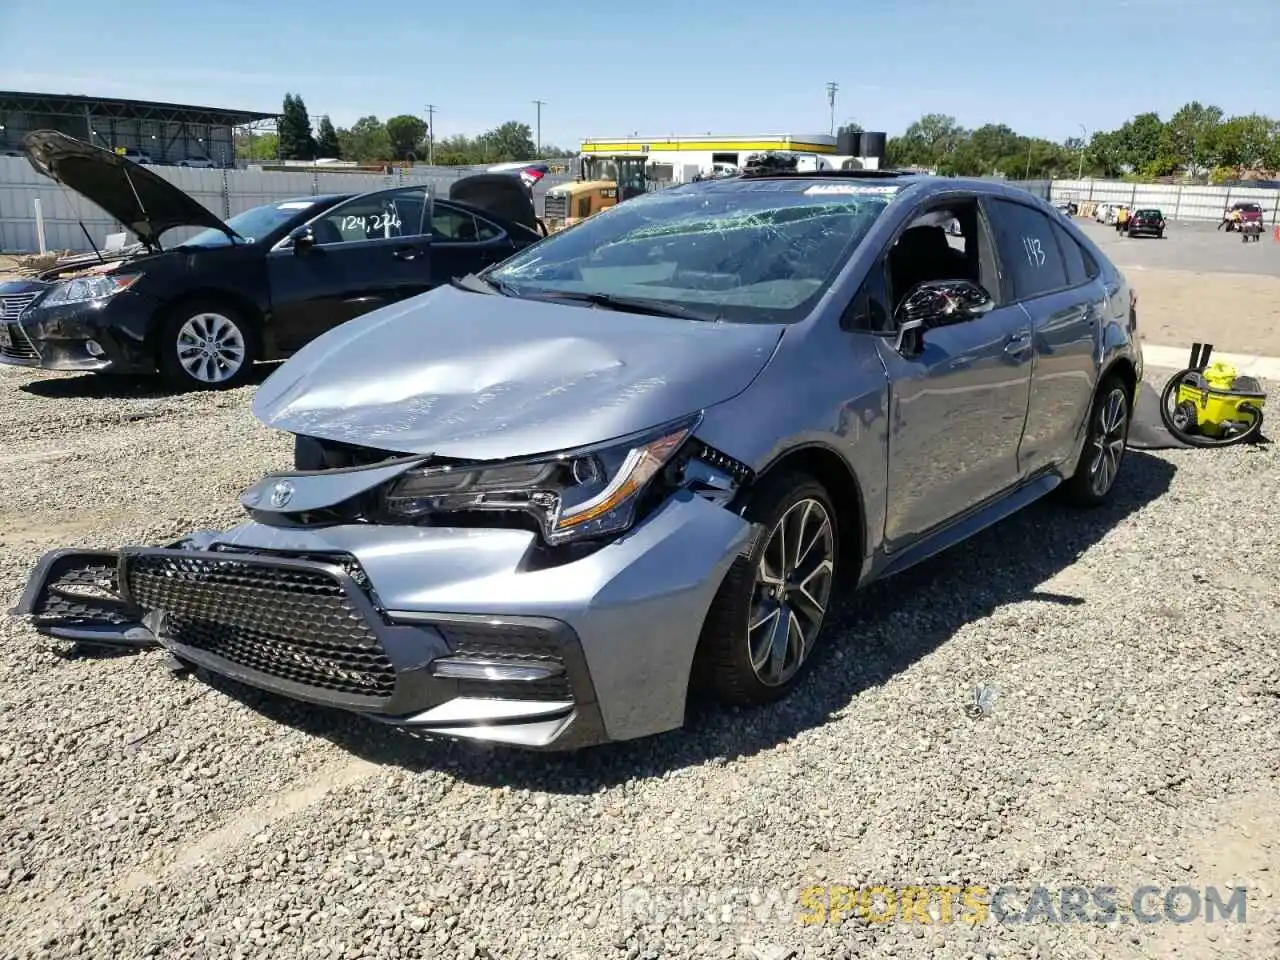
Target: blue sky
<point x="659" y="67"/>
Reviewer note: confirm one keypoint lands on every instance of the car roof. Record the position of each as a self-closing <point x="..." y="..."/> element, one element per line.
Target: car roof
<point x="915" y="185"/>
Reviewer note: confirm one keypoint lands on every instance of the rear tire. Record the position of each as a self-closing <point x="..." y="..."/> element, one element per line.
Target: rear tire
<point x="767" y="617"/>
<point x="207" y="345"/>
<point x="1106" y="439"/>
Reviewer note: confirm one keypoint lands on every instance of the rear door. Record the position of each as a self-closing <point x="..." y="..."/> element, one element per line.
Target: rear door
<point x="1054" y="280"/>
<point x="462" y="242"/>
<point x="370" y="251"/>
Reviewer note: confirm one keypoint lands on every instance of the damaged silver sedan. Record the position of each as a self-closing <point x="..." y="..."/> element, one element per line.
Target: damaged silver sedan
<point x="540" y="505"/>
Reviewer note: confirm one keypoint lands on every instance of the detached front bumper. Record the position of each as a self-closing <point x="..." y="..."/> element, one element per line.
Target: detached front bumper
<point x="453" y="632"/>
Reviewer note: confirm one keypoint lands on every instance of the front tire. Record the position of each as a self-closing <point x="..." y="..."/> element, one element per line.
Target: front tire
<point x="766" y="618"/>
<point x="206" y="345"/>
<point x="1106" y="439"/>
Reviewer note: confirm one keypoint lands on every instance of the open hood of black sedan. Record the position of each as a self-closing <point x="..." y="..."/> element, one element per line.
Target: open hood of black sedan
<point x="145" y="203"/>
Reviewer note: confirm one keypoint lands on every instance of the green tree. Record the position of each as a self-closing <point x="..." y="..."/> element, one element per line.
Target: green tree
<point x="296" y="141"/>
<point x="1189" y="141"/>
<point x="407" y="135"/>
<point x="257" y="146"/>
<point x="512" y="140"/>
<point x="366" y="141"/>
<point x="1247" y="143"/>
<point x="327" y="140"/>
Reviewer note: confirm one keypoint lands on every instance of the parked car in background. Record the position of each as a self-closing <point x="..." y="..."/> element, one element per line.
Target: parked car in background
<point x="539" y="505"/>
<point x="134" y="155"/>
<point x="257" y="287"/>
<point x="1147" y="222"/>
<point x="203" y="163"/>
<point x="1241" y="213"/>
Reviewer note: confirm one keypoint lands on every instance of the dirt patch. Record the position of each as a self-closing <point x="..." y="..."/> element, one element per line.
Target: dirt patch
<point x="1237" y="313"/>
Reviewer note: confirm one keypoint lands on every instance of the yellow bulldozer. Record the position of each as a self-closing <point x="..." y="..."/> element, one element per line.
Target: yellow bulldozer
<point x="603" y="181"/>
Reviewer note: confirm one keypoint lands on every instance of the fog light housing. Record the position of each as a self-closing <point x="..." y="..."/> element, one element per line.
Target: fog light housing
<point x="94" y="348"/>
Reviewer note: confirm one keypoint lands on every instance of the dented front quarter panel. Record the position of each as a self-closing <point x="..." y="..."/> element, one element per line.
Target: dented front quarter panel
<point x="485" y="377"/>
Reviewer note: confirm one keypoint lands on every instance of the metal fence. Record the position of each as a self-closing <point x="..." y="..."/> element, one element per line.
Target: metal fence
<point x="225" y="192"/>
<point x="228" y="192"/>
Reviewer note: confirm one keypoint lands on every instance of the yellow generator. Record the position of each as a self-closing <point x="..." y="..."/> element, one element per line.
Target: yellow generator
<point x="1210" y="405"/>
<point x="602" y="182"/>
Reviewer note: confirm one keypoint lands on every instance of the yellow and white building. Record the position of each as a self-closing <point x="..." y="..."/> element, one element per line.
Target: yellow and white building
<point x="688" y="156"/>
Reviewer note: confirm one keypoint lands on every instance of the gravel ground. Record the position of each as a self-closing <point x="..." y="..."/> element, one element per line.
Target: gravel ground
<point x="1128" y="738"/>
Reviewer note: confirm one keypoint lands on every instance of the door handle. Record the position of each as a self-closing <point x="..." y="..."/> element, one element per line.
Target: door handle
<point x="405" y="253"/>
<point x="1018" y="345"/>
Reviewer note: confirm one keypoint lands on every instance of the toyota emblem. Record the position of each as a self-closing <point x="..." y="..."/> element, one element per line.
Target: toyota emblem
<point x="281" y="494"/>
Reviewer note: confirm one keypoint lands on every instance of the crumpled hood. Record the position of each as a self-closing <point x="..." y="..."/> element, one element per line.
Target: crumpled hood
<point x="486" y="377"/>
<point x="143" y="201"/>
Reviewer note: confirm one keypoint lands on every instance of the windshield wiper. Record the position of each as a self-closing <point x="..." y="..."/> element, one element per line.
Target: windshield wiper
<point x="474" y="283"/>
<point x="655" y="308"/>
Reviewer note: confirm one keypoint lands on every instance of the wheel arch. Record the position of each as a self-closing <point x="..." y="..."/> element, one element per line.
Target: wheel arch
<point x="243" y="305"/>
<point x="841" y="483"/>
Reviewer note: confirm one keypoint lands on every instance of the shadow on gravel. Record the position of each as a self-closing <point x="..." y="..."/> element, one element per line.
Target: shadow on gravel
<point x="96" y="386"/>
<point x="873" y="636"/>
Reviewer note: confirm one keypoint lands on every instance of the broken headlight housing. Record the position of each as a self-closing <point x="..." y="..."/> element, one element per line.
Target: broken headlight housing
<point x="577" y="495"/>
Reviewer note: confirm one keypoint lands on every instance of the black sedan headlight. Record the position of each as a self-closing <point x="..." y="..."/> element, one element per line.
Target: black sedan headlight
<point x="573" y="496"/>
<point x="83" y="289"/>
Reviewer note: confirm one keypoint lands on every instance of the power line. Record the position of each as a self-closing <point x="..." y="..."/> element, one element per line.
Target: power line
<point x="539" y="104"/>
<point x="431" y="133"/>
<point x="832" y="87"/>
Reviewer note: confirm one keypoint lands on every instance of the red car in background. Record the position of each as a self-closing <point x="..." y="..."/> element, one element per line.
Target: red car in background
<point x="1248" y="213"/>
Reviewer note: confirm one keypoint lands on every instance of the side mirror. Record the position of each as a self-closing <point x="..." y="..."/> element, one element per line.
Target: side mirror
<point x="304" y="240"/>
<point x="938" y="303"/>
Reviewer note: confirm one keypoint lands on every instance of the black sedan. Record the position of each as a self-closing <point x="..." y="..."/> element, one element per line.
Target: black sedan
<point x="258" y="286"/>
<point x="1146" y="223"/>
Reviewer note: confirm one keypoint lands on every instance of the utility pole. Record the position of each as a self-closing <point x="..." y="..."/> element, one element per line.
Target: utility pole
<point x="539" y="104"/>
<point x="1083" y="141"/>
<point x="832" y="87"/>
<point x="431" y="134"/>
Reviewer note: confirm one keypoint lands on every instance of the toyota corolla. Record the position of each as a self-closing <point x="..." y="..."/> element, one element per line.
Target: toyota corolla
<point x="539" y="505"/>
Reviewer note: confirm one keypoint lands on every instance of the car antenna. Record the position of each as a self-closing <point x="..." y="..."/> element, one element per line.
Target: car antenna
<point x="91" y="243"/>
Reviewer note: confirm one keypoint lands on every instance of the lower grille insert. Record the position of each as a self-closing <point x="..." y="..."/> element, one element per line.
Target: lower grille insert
<point x="291" y="621"/>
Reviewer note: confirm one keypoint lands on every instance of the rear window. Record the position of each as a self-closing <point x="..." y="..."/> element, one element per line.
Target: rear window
<point x="1150" y="213"/>
<point x="1247" y="207"/>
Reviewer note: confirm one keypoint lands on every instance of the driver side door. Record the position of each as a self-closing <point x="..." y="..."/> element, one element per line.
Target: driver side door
<point x="958" y="393"/>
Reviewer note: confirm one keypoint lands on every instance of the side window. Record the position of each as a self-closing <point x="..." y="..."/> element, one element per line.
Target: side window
<point x="1029" y="253"/>
<point x="377" y="216"/>
<point x="1073" y="254"/>
<point x="942" y="242"/>
<point x="449" y="223"/>
<point x="486" y="230"/>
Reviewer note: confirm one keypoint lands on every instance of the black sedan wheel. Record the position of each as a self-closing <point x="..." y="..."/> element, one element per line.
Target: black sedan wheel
<point x="206" y="345"/>
<point x="766" y="618"/>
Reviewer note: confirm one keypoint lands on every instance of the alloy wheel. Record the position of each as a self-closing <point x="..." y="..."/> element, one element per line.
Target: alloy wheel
<point x="1109" y="435"/>
<point x="211" y="348"/>
<point x="792" y="589"/>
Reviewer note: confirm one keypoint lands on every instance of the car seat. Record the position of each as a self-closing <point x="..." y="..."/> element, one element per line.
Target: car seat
<point x="923" y="254"/>
<point x="326" y="231"/>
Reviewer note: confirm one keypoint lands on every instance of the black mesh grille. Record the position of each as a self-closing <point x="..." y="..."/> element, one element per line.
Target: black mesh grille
<point x="293" y="623"/>
<point x="19" y="346"/>
<point x="507" y="643"/>
<point x="84" y="592"/>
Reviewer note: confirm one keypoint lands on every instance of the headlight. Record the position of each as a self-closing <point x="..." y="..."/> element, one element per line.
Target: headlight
<point x="575" y="495"/>
<point x="89" y="288"/>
